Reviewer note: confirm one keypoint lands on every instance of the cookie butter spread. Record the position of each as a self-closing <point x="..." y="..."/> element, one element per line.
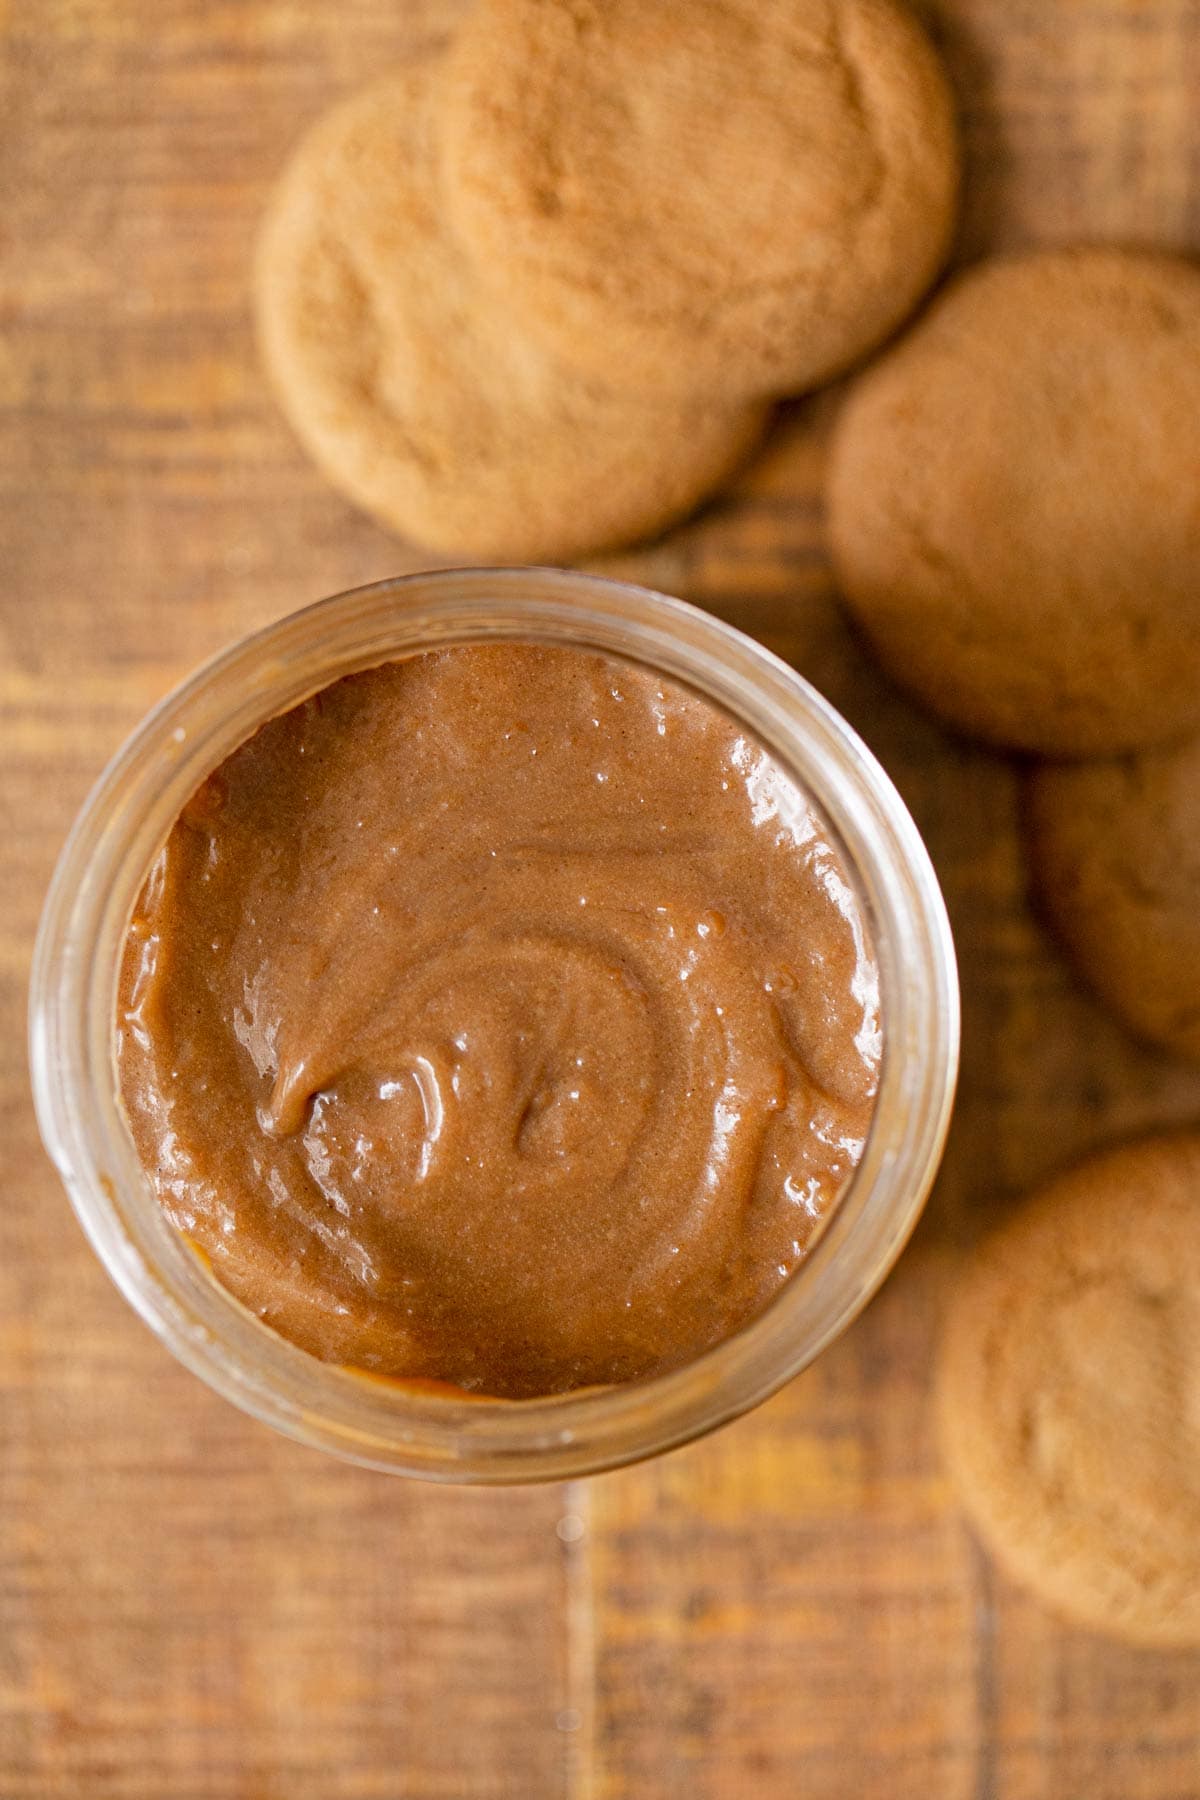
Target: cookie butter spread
<point x="503" y="1016"/>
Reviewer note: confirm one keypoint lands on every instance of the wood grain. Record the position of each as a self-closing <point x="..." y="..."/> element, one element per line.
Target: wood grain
<point x="191" y="1609"/>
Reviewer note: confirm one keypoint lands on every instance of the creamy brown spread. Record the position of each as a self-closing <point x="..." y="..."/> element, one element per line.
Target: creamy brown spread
<point x="503" y="1017"/>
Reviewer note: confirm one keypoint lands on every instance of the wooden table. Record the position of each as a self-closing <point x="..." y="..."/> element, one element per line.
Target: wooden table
<point x="194" y="1609"/>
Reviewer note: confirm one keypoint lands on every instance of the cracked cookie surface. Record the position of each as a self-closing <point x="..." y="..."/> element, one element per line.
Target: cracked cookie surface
<point x="744" y="195"/>
<point x="419" y="396"/>
<point x="1069" y="1391"/>
<point x="1115" y="853"/>
<point x="1013" y="510"/>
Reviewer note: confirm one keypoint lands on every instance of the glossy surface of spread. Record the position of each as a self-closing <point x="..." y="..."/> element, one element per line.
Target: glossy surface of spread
<point x="502" y="1017"/>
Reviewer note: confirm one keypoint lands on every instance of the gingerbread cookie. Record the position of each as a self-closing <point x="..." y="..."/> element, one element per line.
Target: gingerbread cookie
<point x="419" y="398"/>
<point x="1069" y="1391"/>
<point x="737" y="195"/>
<point x="1115" y="851"/>
<point x="1012" y="502"/>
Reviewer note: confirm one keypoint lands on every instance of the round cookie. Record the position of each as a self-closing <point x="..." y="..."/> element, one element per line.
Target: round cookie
<point x="1115" y="853"/>
<point x="1069" y="1391"/>
<point x="1013" y="509"/>
<point x="742" y="195"/>
<point x="419" y="398"/>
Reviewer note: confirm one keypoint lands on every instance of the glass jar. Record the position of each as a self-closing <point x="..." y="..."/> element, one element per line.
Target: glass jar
<point x="73" y="1009"/>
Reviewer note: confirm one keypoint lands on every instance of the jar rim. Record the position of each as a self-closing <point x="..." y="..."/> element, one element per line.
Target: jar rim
<point x="73" y="999"/>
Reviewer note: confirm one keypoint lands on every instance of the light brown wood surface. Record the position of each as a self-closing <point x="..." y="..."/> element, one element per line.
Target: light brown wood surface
<point x="193" y="1609"/>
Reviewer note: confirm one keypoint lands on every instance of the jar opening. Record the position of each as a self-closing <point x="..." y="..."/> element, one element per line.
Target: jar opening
<point x="125" y="822"/>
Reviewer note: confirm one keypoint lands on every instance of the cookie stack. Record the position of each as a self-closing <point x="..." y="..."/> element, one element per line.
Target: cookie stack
<point x="532" y="295"/>
<point x="1014" y="517"/>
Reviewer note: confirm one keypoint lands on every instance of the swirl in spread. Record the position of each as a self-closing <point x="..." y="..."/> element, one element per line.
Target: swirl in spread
<point x="503" y="1017"/>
